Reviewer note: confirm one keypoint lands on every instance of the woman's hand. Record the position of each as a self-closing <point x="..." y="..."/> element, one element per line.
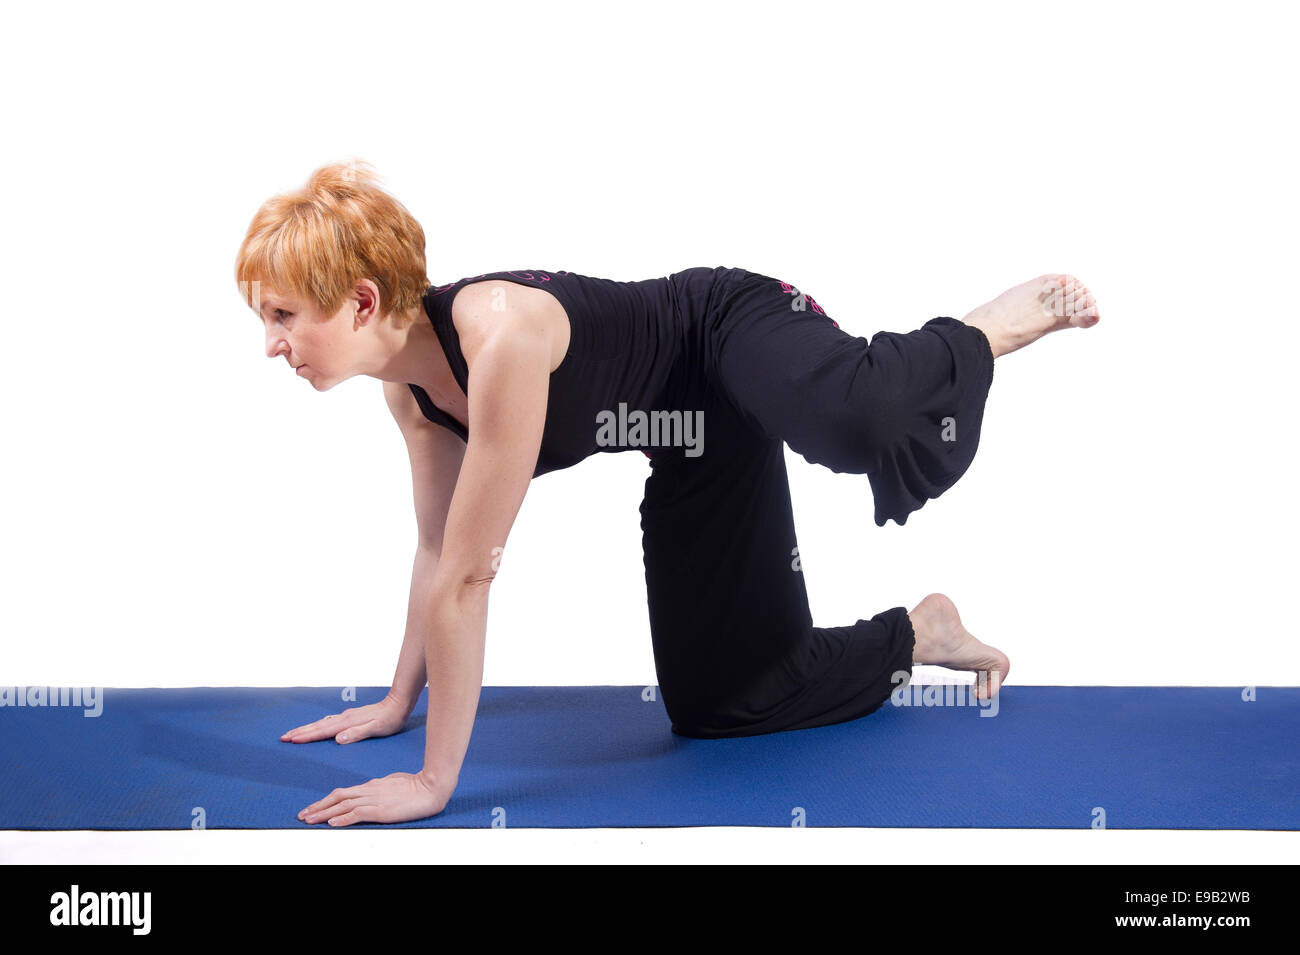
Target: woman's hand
<point x="360" y="722"/>
<point x="397" y="797"/>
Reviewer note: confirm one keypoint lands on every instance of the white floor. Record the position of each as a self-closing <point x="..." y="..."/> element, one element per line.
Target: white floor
<point x="706" y="845"/>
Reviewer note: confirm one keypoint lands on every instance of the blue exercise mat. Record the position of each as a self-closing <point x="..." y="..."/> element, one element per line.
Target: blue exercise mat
<point x="552" y="757"/>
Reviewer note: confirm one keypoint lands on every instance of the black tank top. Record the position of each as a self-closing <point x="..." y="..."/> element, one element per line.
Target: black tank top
<point x="625" y="339"/>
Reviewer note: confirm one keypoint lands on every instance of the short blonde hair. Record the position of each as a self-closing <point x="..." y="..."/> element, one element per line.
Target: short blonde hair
<point x="316" y="242"/>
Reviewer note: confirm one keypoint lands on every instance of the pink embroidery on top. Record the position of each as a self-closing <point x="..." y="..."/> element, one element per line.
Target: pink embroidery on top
<point x="531" y="276"/>
<point x="800" y="298"/>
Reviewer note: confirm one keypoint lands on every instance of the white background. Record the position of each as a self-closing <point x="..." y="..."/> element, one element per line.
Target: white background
<point x="179" y="510"/>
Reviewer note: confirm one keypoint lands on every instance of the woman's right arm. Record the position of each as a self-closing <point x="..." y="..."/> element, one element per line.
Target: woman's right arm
<point x="436" y="455"/>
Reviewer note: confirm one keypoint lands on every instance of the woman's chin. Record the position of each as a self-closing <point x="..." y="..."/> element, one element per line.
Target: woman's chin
<point x="319" y="379"/>
<point x="313" y="377"/>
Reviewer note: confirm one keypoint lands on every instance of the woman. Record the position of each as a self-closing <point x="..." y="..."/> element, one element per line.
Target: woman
<point x="708" y="372"/>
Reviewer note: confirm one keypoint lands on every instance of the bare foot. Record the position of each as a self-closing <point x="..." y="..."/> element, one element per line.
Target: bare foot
<point x="1024" y="314"/>
<point x="942" y="640"/>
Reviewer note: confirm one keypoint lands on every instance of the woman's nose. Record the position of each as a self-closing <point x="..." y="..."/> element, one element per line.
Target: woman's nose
<point x="275" y="345"/>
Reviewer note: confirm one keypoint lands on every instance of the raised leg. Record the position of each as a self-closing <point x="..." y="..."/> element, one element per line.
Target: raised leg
<point x="904" y="409"/>
<point x="1025" y="313"/>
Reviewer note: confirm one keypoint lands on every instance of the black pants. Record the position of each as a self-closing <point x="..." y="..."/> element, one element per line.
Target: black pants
<point x="736" y="652"/>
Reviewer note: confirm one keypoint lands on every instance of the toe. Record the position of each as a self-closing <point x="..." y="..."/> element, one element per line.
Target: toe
<point x="1085" y="317"/>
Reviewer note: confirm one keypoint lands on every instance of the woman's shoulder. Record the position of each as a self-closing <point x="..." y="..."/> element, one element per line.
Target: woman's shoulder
<point x="481" y="307"/>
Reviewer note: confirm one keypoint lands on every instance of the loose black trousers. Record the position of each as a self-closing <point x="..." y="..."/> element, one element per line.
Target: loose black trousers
<point x="736" y="652"/>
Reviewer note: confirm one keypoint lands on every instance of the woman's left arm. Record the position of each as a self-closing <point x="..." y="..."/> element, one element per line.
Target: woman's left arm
<point x="509" y="381"/>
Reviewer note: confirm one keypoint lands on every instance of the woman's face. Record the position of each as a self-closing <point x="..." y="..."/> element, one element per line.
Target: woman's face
<point x="315" y="345"/>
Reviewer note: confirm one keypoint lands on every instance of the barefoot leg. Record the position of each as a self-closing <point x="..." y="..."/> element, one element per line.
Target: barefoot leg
<point x="1025" y="313"/>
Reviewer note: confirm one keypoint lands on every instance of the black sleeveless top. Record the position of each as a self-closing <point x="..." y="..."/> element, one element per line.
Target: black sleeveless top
<point x="624" y="340"/>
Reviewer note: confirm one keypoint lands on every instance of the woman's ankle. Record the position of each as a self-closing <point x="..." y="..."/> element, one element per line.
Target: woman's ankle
<point x="997" y="344"/>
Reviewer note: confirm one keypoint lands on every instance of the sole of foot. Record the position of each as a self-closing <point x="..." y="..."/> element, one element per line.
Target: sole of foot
<point x="941" y="640"/>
